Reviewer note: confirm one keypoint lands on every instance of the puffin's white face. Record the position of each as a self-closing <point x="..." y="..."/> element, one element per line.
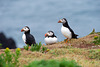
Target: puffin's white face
<point x="25" y="29"/>
<point x="49" y="34"/>
<point x="62" y="21"/>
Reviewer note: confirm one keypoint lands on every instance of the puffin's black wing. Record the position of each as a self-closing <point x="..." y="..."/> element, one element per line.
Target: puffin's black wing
<point x="30" y="39"/>
<point x="73" y="34"/>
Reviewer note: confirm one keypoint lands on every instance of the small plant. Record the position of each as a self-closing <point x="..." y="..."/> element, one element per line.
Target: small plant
<point x="53" y="63"/>
<point x="8" y="56"/>
<point x="44" y="49"/>
<point x="8" y="59"/>
<point x="1" y="61"/>
<point x="26" y="47"/>
<point x="32" y="48"/>
<point x="16" y="56"/>
<point x="94" y="54"/>
<point x="48" y="49"/>
<point x="36" y="47"/>
<point x="93" y="32"/>
<point x="0" y="45"/>
<point x="96" y="40"/>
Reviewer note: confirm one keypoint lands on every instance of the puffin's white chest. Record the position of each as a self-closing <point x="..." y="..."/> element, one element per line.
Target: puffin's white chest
<point x="50" y="40"/>
<point x="24" y="37"/>
<point x="66" y="32"/>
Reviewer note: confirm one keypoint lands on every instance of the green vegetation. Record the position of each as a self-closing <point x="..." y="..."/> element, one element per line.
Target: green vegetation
<point x="93" y="32"/>
<point x="26" y="47"/>
<point x="94" y="54"/>
<point x="80" y="50"/>
<point x="44" y="49"/>
<point x="0" y="45"/>
<point x="8" y="59"/>
<point x="53" y="63"/>
<point x="57" y="52"/>
<point x="97" y="40"/>
<point x="83" y="57"/>
<point x="36" y="47"/>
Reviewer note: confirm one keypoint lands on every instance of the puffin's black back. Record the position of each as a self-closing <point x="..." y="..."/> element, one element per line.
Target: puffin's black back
<point x="66" y="25"/>
<point x="73" y="34"/>
<point x="30" y="39"/>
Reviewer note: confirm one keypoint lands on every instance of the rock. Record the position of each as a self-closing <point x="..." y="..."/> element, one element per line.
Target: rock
<point x="7" y="42"/>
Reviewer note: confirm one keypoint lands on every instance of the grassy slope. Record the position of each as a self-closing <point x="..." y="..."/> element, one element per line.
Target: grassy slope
<point x="76" y="49"/>
<point x="77" y="54"/>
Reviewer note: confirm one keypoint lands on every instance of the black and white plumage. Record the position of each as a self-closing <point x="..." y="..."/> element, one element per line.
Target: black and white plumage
<point x="50" y="38"/>
<point x="66" y="30"/>
<point x="27" y="37"/>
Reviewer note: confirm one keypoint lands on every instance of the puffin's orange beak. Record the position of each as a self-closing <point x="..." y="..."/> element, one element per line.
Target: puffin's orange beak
<point x="46" y="35"/>
<point x="59" y="21"/>
<point x="22" y="30"/>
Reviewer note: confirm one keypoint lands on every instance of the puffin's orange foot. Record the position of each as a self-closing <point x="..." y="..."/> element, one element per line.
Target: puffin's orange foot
<point x="66" y="40"/>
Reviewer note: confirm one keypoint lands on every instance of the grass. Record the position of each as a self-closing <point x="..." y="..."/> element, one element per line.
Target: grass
<point x="9" y="59"/>
<point x="57" y="52"/>
<point x="97" y="40"/>
<point x="81" y="56"/>
<point x="94" y="54"/>
<point x="53" y="63"/>
<point x="85" y="57"/>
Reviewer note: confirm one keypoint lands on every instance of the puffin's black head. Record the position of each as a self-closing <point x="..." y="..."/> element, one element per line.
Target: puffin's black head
<point x="64" y="22"/>
<point x="50" y="34"/>
<point x="26" y="29"/>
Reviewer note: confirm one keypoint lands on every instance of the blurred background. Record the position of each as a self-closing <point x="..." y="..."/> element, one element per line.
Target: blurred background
<point x="43" y="15"/>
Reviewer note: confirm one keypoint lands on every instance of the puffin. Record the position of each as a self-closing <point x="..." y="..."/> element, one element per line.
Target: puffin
<point x="27" y="37"/>
<point x="66" y="30"/>
<point x="50" y="38"/>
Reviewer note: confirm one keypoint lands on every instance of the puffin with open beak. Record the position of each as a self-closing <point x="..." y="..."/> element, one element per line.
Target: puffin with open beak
<point x="66" y="30"/>
<point x="27" y="37"/>
<point x="50" y="38"/>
